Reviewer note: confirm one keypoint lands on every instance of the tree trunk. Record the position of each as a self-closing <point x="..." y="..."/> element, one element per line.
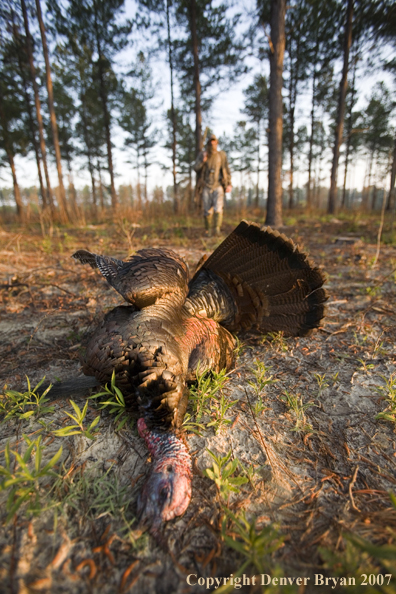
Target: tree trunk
<point x="257" y="201"/>
<point x="311" y="139"/>
<point x="391" y="196"/>
<point x="274" y="205"/>
<point x="89" y="153"/>
<point x="173" y="114"/>
<point x="10" y="157"/>
<point x="370" y="171"/>
<point x="294" y="76"/>
<point x="72" y="190"/>
<point x="17" y="193"/>
<point x="197" y="84"/>
<point x="103" y="97"/>
<point x="64" y="215"/>
<point x="34" y="138"/>
<point x="29" y="110"/>
<point x="101" y="196"/>
<point x="43" y="149"/>
<point x="291" y="150"/>
<point x="332" y="205"/>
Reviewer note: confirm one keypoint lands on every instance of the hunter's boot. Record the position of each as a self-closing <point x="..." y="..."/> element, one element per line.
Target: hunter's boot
<point x="218" y="219"/>
<point x="208" y="225"/>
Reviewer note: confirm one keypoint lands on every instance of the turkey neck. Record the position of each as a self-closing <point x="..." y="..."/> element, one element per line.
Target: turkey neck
<point x="166" y="493"/>
<point x="163" y="446"/>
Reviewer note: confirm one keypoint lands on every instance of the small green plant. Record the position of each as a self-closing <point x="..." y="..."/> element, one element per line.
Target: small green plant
<point x="259" y="407"/>
<point x="372" y="567"/>
<point x="23" y="405"/>
<point x="22" y="476"/>
<point x="322" y="383"/>
<point x="221" y="474"/>
<point x="365" y="366"/>
<point x="206" y="388"/>
<point x="261" y="377"/>
<point x="296" y="405"/>
<point x="389" y="393"/>
<point x="277" y="341"/>
<point x="190" y="425"/>
<point x="96" y="495"/>
<point x="250" y="472"/>
<point x="115" y="403"/>
<point x="78" y="428"/>
<point x="218" y="410"/>
<point x="255" y="546"/>
<point x="239" y="347"/>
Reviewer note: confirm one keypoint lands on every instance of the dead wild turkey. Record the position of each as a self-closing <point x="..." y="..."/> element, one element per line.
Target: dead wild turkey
<point x="255" y="280"/>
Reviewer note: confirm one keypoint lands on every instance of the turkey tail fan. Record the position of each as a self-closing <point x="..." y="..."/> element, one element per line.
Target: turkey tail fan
<point x="258" y="279"/>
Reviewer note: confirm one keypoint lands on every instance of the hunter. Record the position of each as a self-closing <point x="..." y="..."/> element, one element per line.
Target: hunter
<point x="215" y="180"/>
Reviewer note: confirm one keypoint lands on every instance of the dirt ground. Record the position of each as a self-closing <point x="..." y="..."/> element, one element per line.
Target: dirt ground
<point x="329" y="478"/>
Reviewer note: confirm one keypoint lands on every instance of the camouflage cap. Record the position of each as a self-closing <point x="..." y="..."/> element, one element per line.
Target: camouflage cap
<point x="212" y="137"/>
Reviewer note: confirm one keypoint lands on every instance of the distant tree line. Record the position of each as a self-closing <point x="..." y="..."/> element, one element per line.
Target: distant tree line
<point x="63" y="92"/>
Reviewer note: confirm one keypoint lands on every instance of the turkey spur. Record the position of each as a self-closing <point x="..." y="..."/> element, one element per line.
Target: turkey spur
<point x="255" y="280"/>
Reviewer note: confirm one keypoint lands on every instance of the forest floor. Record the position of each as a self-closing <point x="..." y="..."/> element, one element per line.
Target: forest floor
<point x="301" y="423"/>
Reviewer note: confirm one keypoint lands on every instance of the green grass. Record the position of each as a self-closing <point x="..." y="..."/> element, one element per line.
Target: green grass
<point x="23" y="405"/>
<point x="221" y="473"/>
<point x="114" y="403"/>
<point x="78" y="427"/>
<point x="295" y="404"/>
<point x="256" y="549"/>
<point x="389" y="393"/>
<point x="22" y="477"/>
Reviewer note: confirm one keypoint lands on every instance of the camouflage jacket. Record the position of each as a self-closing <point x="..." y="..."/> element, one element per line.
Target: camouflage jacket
<point x="215" y="171"/>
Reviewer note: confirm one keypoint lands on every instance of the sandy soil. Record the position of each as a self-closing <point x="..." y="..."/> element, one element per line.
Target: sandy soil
<point x="315" y="484"/>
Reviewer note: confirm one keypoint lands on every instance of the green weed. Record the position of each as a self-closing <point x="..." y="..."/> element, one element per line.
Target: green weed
<point x="250" y="472"/>
<point x="115" y="403"/>
<point x="365" y="366"/>
<point x="389" y="393"/>
<point x="239" y="347"/>
<point x="261" y="377"/>
<point x="190" y="425"/>
<point x="78" y="428"/>
<point x="22" y="476"/>
<point x="218" y="410"/>
<point x="23" y="405"/>
<point x="296" y="405"/>
<point x="221" y="474"/>
<point x="277" y="341"/>
<point x="256" y="547"/>
<point x="322" y="383"/>
<point x="206" y="388"/>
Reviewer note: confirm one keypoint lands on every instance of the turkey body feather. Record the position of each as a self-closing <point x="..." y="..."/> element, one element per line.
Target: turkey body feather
<point x="255" y="280"/>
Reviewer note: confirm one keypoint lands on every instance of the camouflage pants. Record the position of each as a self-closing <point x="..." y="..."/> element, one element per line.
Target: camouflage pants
<point x="212" y="200"/>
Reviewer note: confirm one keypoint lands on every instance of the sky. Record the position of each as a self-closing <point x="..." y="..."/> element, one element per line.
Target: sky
<point x="226" y="111"/>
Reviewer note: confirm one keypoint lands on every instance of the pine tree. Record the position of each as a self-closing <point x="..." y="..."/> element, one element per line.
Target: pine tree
<point x="377" y="136"/>
<point x="93" y="27"/>
<point x="13" y="137"/>
<point x="208" y="56"/>
<point x="16" y="54"/>
<point x="256" y="109"/>
<point x="37" y="102"/>
<point x="332" y="204"/>
<point x="277" y="42"/>
<point x="64" y="215"/>
<point x="323" y="24"/>
<point x="140" y="135"/>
